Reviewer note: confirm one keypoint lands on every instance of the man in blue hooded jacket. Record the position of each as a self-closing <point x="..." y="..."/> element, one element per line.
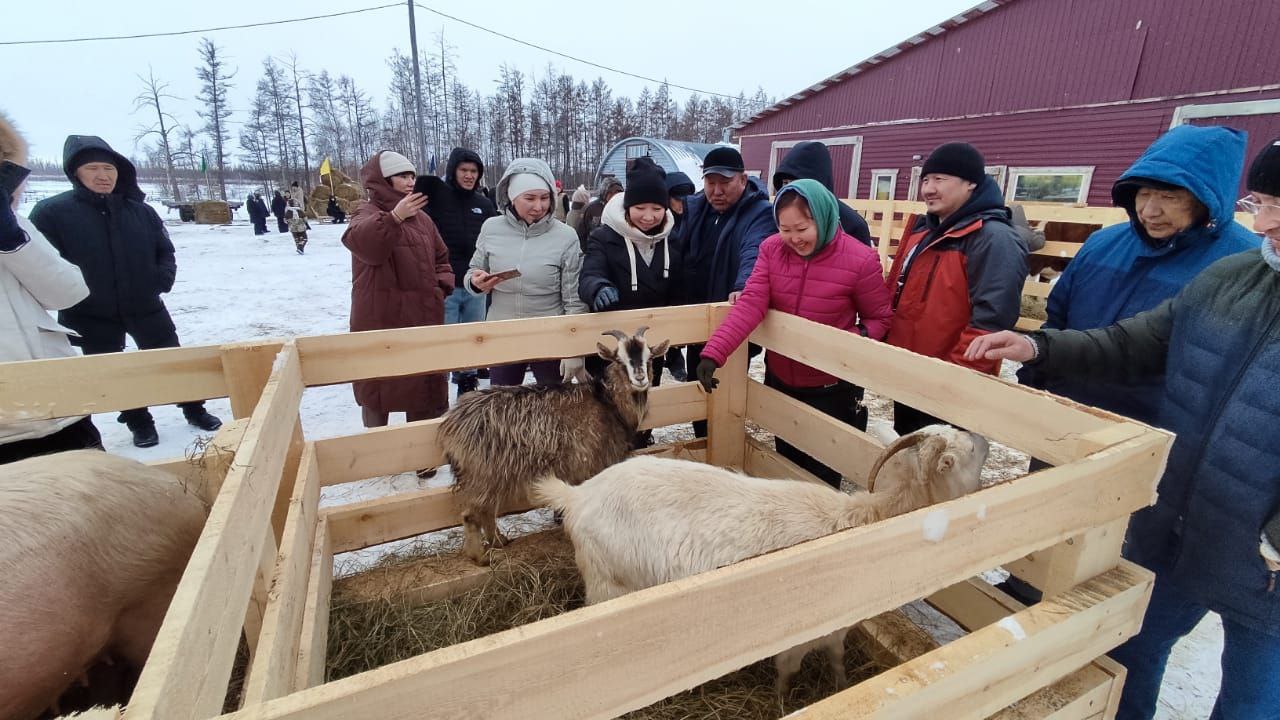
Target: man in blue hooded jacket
<point x="1180" y="196"/>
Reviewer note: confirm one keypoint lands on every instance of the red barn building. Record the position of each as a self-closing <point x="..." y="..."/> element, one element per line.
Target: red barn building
<point x="1059" y="95"/>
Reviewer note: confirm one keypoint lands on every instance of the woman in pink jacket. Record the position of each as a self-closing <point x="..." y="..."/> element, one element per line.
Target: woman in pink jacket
<point x="811" y="268"/>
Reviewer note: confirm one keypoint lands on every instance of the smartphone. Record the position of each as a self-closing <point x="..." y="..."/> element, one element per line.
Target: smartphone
<point x="11" y="176"/>
<point x="423" y="184"/>
<point x="507" y="274"/>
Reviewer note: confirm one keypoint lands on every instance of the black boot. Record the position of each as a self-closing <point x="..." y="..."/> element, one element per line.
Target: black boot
<point x="145" y="436"/>
<point x="204" y="420"/>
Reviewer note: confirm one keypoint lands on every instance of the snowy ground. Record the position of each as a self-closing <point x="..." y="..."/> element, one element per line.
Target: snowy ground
<point x="233" y="286"/>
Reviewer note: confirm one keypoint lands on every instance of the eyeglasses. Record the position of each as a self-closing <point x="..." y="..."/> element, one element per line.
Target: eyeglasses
<point x="1253" y="207"/>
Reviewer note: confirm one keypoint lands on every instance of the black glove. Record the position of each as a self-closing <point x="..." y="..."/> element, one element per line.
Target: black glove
<point x="11" y="235"/>
<point x="707" y="374"/>
<point x="606" y="297"/>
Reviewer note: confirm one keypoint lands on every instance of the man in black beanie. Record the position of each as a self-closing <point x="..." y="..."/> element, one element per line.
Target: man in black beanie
<point x="121" y="246"/>
<point x="1213" y="536"/>
<point x="959" y="269"/>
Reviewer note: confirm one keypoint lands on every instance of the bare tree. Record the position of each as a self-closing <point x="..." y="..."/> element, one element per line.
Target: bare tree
<point x="298" y="107"/>
<point x="150" y="99"/>
<point x="215" y="83"/>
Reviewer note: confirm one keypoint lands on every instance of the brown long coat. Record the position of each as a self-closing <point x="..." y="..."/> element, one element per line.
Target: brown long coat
<point x="400" y="276"/>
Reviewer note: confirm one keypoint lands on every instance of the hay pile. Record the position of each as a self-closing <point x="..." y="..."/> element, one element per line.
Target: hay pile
<point x="212" y="212"/>
<point x="533" y="580"/>
<point x="348" y="192"/>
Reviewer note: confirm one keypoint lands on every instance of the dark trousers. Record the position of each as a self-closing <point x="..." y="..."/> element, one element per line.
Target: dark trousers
<point x="907" y="419"/>
<point x="281" y="225"/>
<point x="260" y="226"/>
<point x="373" y="418"/>
<point x="149" y="332"/>
<point x="80" y="435"/>
<point x="545" y="372"/>
<point x="842" y="401"/>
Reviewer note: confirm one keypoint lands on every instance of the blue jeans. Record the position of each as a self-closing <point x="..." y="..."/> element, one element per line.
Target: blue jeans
<point x="1250" y="661"/>
<point x="463" y="307"/>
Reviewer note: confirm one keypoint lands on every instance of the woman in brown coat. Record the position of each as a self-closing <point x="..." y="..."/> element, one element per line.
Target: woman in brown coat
<point x="400" y="276"/>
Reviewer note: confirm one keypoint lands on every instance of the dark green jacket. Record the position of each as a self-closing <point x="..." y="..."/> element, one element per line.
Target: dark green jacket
<point x="1218" y="344"/>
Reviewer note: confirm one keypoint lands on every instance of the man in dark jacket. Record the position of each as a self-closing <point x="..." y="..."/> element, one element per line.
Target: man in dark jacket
<point x="721" y="235"/>
<point x="278" y="206"/>
<point x="959" y="270"/>
<point x="459" y="210"/>
<point x="120" y="244"/>
<point x="609" y="186"/>
<point x="810" y="160"/>
<point x="1212" y="536"/>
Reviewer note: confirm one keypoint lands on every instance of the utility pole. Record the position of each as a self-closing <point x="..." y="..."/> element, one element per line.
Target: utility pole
<point x="417" y="91"/>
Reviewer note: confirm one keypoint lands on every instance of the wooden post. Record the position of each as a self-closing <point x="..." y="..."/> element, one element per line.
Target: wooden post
<point x="886" y="237"/>
<point x="314" y="640"/>
<point x="727" y="406"/>
<point x="1074" y="560"/>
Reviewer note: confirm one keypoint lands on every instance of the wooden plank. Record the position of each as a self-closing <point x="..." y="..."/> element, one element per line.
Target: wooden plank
<point x="401" y="448"/>
<point x="606" y="659"/>
<point x="275" y="663"/>
<point x="839" y="445"/>
<point x="395" y="517"/>
<point x="764" y="461"/>
<point x="1076" y="559"/>
<point x="987" y="670"/>
<point x="1036" y="289"/>
<point x="67" y="387"/>
<point x="314" y="637"/>
<point x="1026" y="324"/>
<point x="329" y="359"/>
<point x="1024" y="418"/>
<point x="190" y="663"/>
<point x="1059" y="249"/>
<point x="727" y="405"/>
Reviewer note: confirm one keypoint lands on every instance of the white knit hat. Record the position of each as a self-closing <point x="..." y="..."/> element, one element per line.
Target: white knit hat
<point x="521" y="183"/>
<point x="393" y="163"/>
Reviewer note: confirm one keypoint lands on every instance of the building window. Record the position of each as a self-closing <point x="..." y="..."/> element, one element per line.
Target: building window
<point x="637" y="150"/>
<point x="1069" y="185"/>
<point x="913" y="189"/>
<point x="883" y="183"/>
<point x="997" y="173"/>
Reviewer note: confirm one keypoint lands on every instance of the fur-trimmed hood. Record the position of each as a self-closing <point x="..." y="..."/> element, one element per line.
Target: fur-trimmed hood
<point x="13" y="147"/>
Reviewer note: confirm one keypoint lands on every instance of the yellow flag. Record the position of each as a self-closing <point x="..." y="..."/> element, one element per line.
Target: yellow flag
<point x="324" y="168"/>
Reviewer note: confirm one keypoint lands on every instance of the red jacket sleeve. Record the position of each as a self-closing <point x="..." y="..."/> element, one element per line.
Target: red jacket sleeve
<point x="956" y="354"/>
<point x="871" y="297"/>
<point x="748" y="312"/>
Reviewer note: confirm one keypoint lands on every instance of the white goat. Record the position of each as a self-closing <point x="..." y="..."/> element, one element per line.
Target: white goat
<point x="647" y="521"/>
<point x="91" y="550"/>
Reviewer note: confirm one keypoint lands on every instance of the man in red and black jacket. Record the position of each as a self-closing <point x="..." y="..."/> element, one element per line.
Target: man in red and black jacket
<point x="959" y="270"/>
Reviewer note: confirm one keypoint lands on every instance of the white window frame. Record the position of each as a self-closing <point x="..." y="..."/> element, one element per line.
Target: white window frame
<point x="854" y="166"/>
<point x="1014" y="173"/>
<point x="892" y="174"/>
<point x="626" y="151"/>
<point x="1185" y="113"/>
<point x="913" y="189"/>
<point x="1001" y="173"/>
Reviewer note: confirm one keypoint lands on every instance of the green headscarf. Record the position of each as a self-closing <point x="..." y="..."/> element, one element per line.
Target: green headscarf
<point x="822" y="206"/>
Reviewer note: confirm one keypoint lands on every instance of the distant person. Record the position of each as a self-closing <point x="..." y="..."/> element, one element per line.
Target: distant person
<point x="251" y="210"/>
<point x="34" y="279"/>
<point x="297" y="195"/>
<point x="561" y="202"/>
<point x="459" y="210"/>
<point x="400" y="278"/>
<point x="121" y="246"/>
<point x="259" y="214"/>
<point x="1212" y="538"/>
<point x="335" y="211"/>
<point x="526" y="238"/>
<point x="297" y="226"/>
<point x="278" y="206"/>
<point x="609" y="186"/>
<point x="812" y="160"/>
<point x="577" y="203"/>
<point x="959" y="270"/>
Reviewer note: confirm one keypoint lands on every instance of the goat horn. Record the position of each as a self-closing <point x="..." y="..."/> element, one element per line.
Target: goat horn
<point x="640" y="332"/>
<point x="616" y="333"/>
<point x="897" y="446"/>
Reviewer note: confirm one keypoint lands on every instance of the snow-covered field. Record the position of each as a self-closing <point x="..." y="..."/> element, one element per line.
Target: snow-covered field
<point x="233" y="286"/>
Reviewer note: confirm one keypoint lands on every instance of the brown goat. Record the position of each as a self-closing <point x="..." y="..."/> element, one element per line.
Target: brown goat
<point x="500" y="440"/>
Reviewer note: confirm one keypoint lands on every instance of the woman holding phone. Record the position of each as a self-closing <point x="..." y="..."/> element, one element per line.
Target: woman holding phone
<point x="400" y="277"/>
<point x="528" y="262"/>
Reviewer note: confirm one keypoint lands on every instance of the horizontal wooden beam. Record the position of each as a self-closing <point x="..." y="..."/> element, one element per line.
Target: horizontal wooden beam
<point x="608" y="659"/>
<point x="190" y="663"/>
<point x="1024" y="418"/>
<point x="395" y="517"/>
<point x="330" y="359"/>
<point x="67" y="387"/>
<point x="401" y="448"/>
<point x="990" y="668"/>
<point x="837" y="444"/>
<point x="763" y="461"/>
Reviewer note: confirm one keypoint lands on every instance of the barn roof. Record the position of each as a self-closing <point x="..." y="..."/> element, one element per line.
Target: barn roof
<point x="686" y="156"/>
<point x="880" y="57"/>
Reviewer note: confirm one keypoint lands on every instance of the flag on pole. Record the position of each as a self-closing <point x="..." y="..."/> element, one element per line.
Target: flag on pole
<point x="324" y="167"/>
<point x="204" y="163"/>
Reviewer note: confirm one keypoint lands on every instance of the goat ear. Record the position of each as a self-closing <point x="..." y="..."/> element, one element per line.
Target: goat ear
<point x="660" y="350"/>
<point x="605" y="352"/>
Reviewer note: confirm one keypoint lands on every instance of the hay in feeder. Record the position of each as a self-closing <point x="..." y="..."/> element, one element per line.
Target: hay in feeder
<point x="379" y="617"/>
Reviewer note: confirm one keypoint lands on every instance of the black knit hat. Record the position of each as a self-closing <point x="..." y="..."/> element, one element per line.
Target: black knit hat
<point x="723" y="160"/>
<point x="679" y="185"/>
<point x="646" y="183"/>
<point x="1264" y="173"/>
<point x="94" y="155"/>
<point x="957" y="159"/>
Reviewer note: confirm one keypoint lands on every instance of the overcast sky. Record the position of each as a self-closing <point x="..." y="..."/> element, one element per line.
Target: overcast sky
<point x="87" y="88"/>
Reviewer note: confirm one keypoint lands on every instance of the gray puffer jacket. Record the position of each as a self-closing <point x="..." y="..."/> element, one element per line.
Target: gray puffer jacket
<point x="546" y="253"/>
